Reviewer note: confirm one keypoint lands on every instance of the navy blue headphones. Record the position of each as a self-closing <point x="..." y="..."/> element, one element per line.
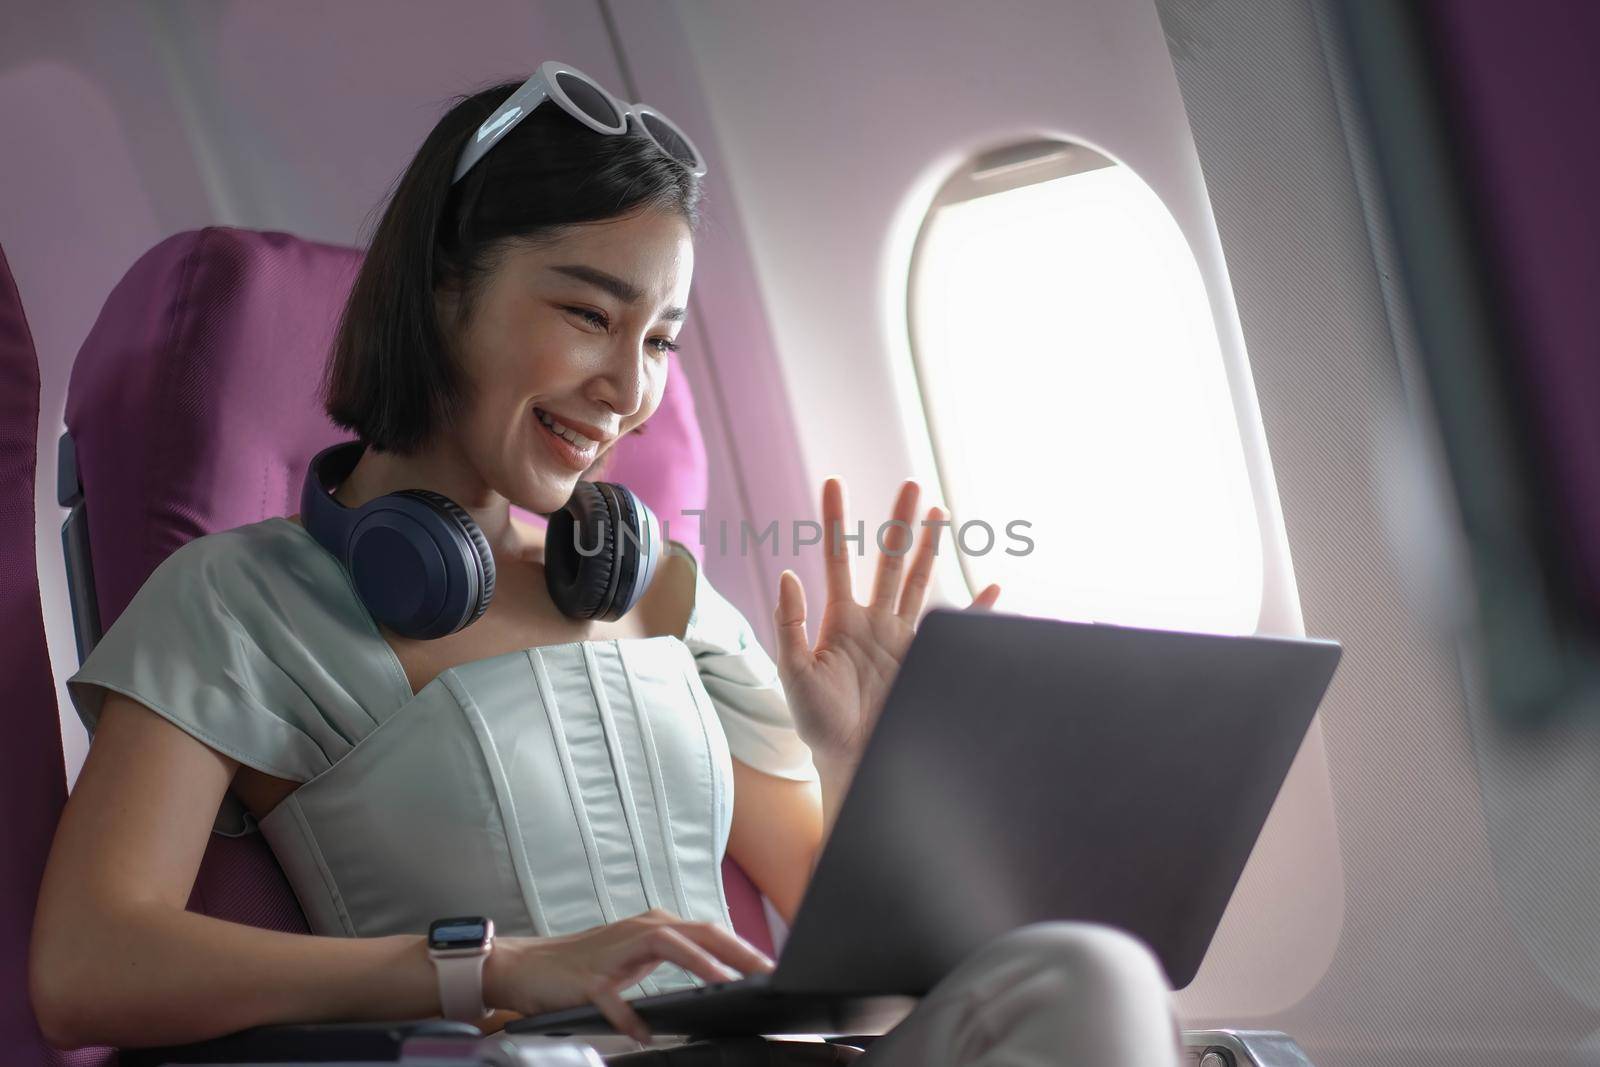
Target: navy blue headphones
<point x="423" y="568"/>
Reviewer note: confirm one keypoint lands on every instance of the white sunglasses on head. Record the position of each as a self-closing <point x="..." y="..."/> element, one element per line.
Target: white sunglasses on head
<point x="581" y="97"/>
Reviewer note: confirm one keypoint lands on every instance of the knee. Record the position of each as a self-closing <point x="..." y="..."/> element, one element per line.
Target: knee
<point x="1089" y="993"/>
<point x="1087" y="957"/>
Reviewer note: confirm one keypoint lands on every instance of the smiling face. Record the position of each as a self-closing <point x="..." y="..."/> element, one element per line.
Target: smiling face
<point x="577" y="328"/>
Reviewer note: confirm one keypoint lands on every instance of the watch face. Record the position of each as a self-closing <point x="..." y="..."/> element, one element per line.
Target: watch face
<point x="469" y="932"/>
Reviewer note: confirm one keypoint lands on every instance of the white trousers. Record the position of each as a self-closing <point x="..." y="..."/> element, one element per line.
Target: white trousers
<point x="1053" y="993"/>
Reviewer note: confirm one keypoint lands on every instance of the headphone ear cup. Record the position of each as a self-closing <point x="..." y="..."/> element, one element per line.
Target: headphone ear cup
<point x="638" y="549"/>
<point x="581" y="584"/>
<point x="417" y="561"/>
<point x="624" y="561"/>
<point x="483" y="579"/>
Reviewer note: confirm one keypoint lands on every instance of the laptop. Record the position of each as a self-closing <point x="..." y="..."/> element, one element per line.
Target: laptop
<point x="1023" y="769"/>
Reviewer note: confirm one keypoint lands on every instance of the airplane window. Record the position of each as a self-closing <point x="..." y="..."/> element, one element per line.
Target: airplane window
<point x="1070" y="374"/>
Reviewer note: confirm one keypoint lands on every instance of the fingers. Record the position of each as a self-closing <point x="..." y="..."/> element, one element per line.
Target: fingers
<point x="790" y="615"/>
<point x="838" y="558"/>
<point x="599" y="963"/>
<point x="727" y="947"/>
<point x="917" y="578"/>
<point x="617" y="1011"/>
<point x="671" y="945"/>
<point x="790" y="618"/>
<point x="985" y="600"/>
<point x="647" y="950"/>
<point x="896" y="546"/>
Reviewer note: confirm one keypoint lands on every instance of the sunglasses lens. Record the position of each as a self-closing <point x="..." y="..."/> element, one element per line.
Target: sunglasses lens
<point x="668" y="139"/>
<point x="589" y="100"/>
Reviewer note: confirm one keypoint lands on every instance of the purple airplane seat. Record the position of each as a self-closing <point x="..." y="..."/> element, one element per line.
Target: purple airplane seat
<point x="33" y="785"/>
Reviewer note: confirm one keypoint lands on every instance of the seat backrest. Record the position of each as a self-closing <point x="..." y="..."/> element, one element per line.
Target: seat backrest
<point x="33" y="783"/>
<point x="1531" y="186"/>
<point x="193" y="408"/>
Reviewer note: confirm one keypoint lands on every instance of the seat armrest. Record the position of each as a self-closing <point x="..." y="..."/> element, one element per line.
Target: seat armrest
<point x="1242" y="1048"/>
<point x="306" y="1043"/>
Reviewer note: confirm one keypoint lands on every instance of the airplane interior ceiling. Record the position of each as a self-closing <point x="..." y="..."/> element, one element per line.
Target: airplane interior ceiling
<point x="1419" y="892"/>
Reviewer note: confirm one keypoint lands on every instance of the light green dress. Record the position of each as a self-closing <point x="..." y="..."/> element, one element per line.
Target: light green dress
<point x="553" y="789"/>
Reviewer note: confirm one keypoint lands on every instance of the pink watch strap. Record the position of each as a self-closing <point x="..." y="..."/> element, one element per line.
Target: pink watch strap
<point x="461" y="985"/>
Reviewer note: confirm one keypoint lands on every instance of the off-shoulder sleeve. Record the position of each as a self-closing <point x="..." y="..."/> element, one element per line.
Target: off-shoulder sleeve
<point x="181" y="649"/>
<point x="743" y="683"/>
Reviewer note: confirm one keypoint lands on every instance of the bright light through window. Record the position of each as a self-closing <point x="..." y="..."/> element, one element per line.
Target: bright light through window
<point x="1071" y="375"/>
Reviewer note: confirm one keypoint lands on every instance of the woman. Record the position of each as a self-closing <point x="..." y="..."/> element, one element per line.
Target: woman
<point x="526" y="280"/>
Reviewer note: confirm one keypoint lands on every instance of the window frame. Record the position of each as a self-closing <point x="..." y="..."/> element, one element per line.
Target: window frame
<point x="1016" y="165"/>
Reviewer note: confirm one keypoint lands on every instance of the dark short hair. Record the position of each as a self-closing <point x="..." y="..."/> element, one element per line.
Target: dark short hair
<point x="391" y="378"/>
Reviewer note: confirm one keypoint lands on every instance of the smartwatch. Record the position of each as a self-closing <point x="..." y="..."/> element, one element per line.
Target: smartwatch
<point x="458" y="948"/>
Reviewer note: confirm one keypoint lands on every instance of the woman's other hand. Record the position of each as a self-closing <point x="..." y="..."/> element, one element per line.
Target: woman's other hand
<point x="533" y="975"/>
<point x="837" y="688"/>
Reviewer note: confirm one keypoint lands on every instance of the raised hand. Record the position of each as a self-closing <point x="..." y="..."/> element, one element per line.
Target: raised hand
<point x="837" y="688"/>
